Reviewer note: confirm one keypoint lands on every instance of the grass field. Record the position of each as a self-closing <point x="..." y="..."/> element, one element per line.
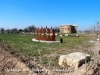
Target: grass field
<point x="48" y="52"/>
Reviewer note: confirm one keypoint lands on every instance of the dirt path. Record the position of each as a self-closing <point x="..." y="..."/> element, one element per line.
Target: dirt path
<point x="96" y="46"/>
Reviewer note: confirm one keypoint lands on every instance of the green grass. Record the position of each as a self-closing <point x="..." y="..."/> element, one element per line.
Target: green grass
<point x="24" y="44"/>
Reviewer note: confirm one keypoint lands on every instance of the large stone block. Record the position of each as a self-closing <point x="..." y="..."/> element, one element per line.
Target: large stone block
<point x="75" y="59"/>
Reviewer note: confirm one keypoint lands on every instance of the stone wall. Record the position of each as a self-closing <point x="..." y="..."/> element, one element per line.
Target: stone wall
<point x="68" y="29"/>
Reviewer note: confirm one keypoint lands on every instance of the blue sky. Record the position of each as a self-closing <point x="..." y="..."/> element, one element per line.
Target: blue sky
<point x="23" y="13"/>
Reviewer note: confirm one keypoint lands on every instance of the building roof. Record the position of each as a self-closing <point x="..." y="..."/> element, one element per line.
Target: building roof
<point x="67" y="25"/>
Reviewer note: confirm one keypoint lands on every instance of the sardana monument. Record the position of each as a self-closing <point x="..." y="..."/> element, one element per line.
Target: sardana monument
<point x="45" y="35"/>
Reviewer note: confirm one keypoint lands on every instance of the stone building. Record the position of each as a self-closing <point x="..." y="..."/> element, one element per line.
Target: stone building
<point x="68" y="28"/>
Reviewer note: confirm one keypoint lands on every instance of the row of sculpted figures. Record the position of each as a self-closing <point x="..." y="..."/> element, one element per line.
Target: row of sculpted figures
<point x="46" y="34"/>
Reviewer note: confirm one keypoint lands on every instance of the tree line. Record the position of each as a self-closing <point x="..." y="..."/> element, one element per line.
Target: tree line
<point x="28" y="29"/>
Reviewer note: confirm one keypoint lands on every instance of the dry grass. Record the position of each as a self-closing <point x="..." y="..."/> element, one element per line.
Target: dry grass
<point x="46" y="54"/>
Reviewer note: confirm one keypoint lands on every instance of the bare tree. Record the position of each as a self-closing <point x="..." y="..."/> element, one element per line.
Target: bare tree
<point x="2" y="30"/>
<point x="97" y="27"/>
<point x="30" y="29"/>
<point x="57" y="30"/>
<point x="8" y="31"/>
<point x="20" y="30"/>
<point x="14" y="30"/>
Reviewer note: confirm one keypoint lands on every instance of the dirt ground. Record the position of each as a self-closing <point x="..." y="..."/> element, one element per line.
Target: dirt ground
<point x="96" y="46"/>
<point x="12" y="63"/>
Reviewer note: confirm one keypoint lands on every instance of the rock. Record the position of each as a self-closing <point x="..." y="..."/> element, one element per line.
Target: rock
<point x="90" y="72"/>
<point x="99" y="52"/>
<point x="98" y="39"/>
<point x="75" y="59"/>
<point x="84" y="69"/>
